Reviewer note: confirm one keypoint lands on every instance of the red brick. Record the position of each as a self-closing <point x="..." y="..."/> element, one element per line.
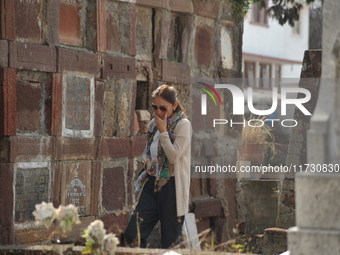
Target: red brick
<point x="52" y="16"/>
<point x="74" y="148"/>
<point x="27" y="27"/>
<point x="118" y="67"/>
<point x="130" y="181"/>
<point x="56" y="184"/>
<point x="207" y="8"/>
<point x="210" y="207"/>
<point x="6" y="194"/>
<point x="6" y="235"/>
<point x="7" y="102"/>
<point x="133" y="30"/>
<point x="113" y="191"/>
<point x="138" y="144"/>
<point x="78" y="61"/>
<point x="7" y="22"/>
<point x="115" y="224"/>
<point x="175" y="72"/>
<point x="183" y="6"/>
<point x="28" y="106"/>
<point x="32" y="57"/>
<point x="99" y="109"/>
<point x="115" y="148"/>
<point x="202" y="224"/>
<point x="3" y="53"/>
<point x="31" y="149"/>
<point x="153" y="3"/>
<point x="57" y="95"/>
<point x="69" y="24"/>
<point x="96" y="182"/>
<point x="203" y="43"/>
<point x="101" y="25"/>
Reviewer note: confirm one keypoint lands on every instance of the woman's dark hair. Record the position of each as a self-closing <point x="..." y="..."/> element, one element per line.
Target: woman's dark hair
<point x="168" y="93"/>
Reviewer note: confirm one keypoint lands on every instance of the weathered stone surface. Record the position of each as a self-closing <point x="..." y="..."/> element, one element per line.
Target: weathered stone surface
<point x="202" y="224"/>
<point x="162" y="33"/>
<point x="113" y="186"/>
<point x="31" y="149"/>
<point x="32" y="57"/>
<point x="205" y="208"/>
<point x="138" y="144"/>
<point x="73" y="148"/>
<point x="6" y="194"/>
<point x="274" y="241"/>
<point x="70" y="24"/>
<point x="153" y="3"/>
<point x="143" y="126"/>
<point x="96" y="184"/>
<point x="143" y="115"/>
<point x="56" y="183"/>
<point x="7" y="101"/>
<point x="3" y="53"/>
<point x="144" y="33"/>
<point x="26" y="27"/>
<point x="207" y="8"/>
<point x="57" y="106"/>
<point x="183" y="6"/>
<point x="203" y="45"/>
<point x="78" y="61"/>
<point x="32" y="185"/>
<point x="175" y="72"/>
<point x="6" y="235"/>
<point x="101" y="25"/>
<point x="76" y="185"/>
<point x="115" y="148"/>
<point x="98" y="109"/>
<point x="118" y="67"/>
<point x="115" y="224"/>
<point x="52" y="14"/>
<point x="133" y="20"/>
<point x="7" y="27"/>
<point x="29" y="100"/>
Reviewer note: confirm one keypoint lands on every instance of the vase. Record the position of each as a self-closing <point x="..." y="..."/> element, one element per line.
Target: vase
<point x="63" y="246"/>
<point x="252" y="152"/>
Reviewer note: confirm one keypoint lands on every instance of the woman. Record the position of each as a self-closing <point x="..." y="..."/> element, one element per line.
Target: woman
<point x="165" y="182"/>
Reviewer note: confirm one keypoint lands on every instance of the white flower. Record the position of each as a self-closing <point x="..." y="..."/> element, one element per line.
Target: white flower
<point x="67" y="216"/>
<point x="110" y="243"/>
<point x="96" y="233"/>
<point x="45" y="214"/>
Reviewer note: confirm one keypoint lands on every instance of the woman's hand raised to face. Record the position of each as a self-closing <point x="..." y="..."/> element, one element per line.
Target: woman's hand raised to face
<point x="161" y="123"/>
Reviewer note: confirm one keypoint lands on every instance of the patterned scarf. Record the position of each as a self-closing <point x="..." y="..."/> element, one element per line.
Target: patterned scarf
<point x="165" y="169"/>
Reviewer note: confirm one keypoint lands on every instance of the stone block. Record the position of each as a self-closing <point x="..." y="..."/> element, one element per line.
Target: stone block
<point x="133" y="20"/>
<point x="115" y="223"/>
<point x="162" y="33"/>
<point x="96" y="184"/>
<point x="4" y="149"/>
<point x="32" y="186"/>
<point x="114" y="148"/>
<point x="3" y="53"/>
<point x="76" y="185"/>
<point x="99" y="109"/>
<point x="183" y="6"/>
<point x="202" y="224"/>
<point x="101" y="25"/>
<point x="210" y="207"/>
<point x="32" y="57"/>
<point x="313" y="241"/>
<point x="27" y="235"/>
<point x="8" y="102"/>
<point x="203" y="45"/>
<point x="207" y="8"/>
<point x="78" y="61"/>
<point x="52" y="12"/>
<point x="56" y="183"/>
<point x="175" y="72"/>
<point x="31" y="149"/>
<point x="6" y="195"/>
<point x="143" y="115"/>
<point x="57" y="105"/>
<point x="29" y="100"/>
<point x="6" y="235"/>
<point x="135" y="124"/>
<point x="28" y="28"/>
<point x="70" y="24"/>
<point x="74" y="148"/>
<point x="138" y="144"/>
<point x="144" y="33"/>
<point x="153" y="3"/>
<point x="118" y="67"/>
<point x="317" y="204"/>
<point x="7" y="24"/>
<point x="113" y="187"/>
<point x="143" y="126"/>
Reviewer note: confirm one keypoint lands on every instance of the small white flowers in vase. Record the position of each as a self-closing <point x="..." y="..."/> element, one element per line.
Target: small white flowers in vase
<point x="45" y="214"/>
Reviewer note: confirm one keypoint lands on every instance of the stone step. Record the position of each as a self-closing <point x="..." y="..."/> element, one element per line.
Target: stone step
<point x="317" y="200"/>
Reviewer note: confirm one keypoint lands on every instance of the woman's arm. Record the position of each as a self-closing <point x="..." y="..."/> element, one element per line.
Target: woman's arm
<point x="183" y="138"/>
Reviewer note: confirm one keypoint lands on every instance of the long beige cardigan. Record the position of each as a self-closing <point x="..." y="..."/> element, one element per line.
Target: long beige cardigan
<point x="179" y="154"/>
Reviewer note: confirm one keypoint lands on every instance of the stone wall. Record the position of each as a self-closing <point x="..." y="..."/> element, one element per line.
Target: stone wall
<point x="72" y="75"/>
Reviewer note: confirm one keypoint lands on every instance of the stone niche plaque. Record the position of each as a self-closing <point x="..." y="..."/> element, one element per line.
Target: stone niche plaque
<point x="76" y="185"/>
<point x="32" y="186"/>
<point x="78" y="105"/>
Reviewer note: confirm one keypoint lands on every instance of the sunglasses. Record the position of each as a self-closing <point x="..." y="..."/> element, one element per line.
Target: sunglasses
<point x="162" y="108"/>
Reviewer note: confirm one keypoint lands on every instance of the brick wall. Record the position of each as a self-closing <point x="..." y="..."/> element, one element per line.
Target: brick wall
<point x="72" y="74"/>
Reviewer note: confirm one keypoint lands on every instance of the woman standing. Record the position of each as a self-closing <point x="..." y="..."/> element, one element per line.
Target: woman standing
<point x="165" y="182"/>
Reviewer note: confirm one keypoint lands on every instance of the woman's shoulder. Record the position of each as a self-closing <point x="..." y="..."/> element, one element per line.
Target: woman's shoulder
<point x="184" y="122"/>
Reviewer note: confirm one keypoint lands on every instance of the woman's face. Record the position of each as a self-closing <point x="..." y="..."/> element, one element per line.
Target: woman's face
<point x="161" y="107"/>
